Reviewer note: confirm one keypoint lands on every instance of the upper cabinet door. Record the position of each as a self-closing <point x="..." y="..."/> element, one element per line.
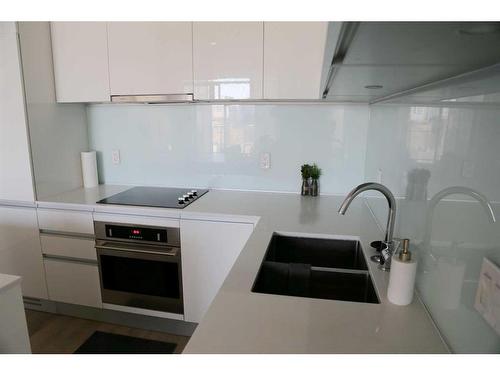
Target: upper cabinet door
<point x="150" y="58"/>
<point x="80" y="53"/>
<point x="293" y="59"/>
<point x="227" y="60"/>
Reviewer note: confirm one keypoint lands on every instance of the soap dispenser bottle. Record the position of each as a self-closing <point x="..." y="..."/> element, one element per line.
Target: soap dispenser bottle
<point x="402" y="276"/>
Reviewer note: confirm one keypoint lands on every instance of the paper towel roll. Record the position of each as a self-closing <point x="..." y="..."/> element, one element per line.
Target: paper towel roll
<point x="89" y="169"/>
<point x="401" y="281"/>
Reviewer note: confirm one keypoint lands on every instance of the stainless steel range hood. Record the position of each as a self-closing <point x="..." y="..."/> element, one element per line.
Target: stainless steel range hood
<point x="372" y="62"/>
<point x="153" y="99"/>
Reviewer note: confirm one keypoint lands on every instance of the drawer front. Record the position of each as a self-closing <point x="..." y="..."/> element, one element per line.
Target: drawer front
<point x="73" y="282"/>
<point x="66" y="246"/>
<point x="65" y="221"/>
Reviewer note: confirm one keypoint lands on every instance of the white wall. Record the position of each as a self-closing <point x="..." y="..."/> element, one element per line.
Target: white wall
<point x="58" y="131"/>
<point x="16" y="182"/>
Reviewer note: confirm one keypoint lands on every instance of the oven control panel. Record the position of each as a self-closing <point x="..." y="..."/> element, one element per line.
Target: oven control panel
<point x="136" y="233"/>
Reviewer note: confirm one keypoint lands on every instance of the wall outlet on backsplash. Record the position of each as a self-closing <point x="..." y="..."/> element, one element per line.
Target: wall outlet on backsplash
<point x="265" y="160"/>
<point x="115" y="157"/>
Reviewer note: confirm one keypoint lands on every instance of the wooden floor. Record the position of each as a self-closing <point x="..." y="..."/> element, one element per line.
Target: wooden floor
<point x="60" y="334"/>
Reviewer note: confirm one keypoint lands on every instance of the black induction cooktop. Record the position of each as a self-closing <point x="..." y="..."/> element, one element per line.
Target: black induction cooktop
<point x="155" y="197"/>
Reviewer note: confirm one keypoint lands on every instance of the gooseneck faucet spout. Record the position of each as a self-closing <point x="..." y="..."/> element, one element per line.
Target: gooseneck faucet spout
<point x="390" y="200"/>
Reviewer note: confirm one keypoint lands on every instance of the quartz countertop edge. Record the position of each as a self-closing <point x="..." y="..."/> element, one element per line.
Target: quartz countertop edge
<point x="240" y="321"/>
<point x="8" y="281"/>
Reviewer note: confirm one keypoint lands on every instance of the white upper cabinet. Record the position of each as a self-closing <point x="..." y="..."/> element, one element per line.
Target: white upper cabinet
<point x="293" y="59"/>
<point x="150" y="58"/>
<point x="80" y="53"/>
<point x="213" y="60"/>
<point x="16" y="182"/>
<point x="227" y="60"/>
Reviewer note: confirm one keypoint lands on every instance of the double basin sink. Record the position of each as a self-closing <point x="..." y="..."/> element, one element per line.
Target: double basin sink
<point x="325" y="268"/>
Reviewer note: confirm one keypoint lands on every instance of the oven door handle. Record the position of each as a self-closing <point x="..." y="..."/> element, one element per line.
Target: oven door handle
<point x="171" y="253"/>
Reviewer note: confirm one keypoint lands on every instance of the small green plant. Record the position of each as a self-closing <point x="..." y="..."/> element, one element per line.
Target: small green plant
<point x="315" y="172"/>
<point x="305" y="170"/>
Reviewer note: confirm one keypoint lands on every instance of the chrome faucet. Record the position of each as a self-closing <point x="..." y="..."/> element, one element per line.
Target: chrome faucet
<point x="485" y="203"/>
<point x="386" y="254"/>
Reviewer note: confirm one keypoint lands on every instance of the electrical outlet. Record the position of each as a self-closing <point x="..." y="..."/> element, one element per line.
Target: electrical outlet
<point x="265" y="160"/>
<point x="115" y="156"/>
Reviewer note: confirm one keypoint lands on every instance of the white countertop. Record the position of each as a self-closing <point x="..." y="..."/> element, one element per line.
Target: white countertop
<point x="239" y="321"/>
<point x="8" y="281"/>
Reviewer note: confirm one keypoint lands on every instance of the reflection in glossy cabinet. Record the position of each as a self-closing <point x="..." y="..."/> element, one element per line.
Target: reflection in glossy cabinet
<point x="15" y="167"/>
<point x="20" y="252"/>
<point x="293" y="58"/>
<point x="80" y="53"/>
<point x="209" y="250"/>
<point x="227" y="60"/>
<point x="150" y="58"/>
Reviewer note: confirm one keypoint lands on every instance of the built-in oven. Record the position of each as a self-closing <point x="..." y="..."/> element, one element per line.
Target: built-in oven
<point x="140" y="266"/>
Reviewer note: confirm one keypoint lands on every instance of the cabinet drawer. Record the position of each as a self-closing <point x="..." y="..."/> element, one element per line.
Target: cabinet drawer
<point x="65" y="221"/>
<point x="73" y="282"/>
<point x="66" y="246"/>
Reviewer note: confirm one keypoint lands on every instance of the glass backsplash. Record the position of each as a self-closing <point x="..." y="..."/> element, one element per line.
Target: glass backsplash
<point x="422" y="154"/>
<point x="221" y="146"/>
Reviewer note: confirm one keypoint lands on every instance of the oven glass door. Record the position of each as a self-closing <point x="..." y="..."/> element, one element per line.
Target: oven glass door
<point x="140" y="279"/>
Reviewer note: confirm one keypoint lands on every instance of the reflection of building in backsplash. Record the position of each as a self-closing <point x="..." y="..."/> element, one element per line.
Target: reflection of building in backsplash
<point x="457" y="145"/>
<point x="416" y="186"/>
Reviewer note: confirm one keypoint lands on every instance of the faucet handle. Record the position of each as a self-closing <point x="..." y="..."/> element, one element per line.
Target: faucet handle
<point x="387" y="253"/>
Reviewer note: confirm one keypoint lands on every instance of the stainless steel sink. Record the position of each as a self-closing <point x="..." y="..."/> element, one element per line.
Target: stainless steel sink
<point x="318" y="252"/>
<point x="315" y="268"/>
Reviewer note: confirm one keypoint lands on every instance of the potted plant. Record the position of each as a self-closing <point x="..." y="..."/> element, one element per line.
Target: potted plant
<point x="315" y="173"/>
<point x="305" y="171"/>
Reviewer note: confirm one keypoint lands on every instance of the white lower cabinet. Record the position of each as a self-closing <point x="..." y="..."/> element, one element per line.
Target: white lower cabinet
<point x="72" y="281"/>
<point x="209" y="250"/>
<point x="66" y="221"/>
<point x="67" y="246"/>
<point x="20" y="252"/>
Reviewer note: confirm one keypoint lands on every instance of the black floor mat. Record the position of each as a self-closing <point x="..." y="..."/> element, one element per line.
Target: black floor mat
<point x="110" y="343"/>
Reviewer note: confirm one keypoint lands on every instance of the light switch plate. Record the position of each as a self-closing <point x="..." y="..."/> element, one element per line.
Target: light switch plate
<point x="487" y="301"/>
